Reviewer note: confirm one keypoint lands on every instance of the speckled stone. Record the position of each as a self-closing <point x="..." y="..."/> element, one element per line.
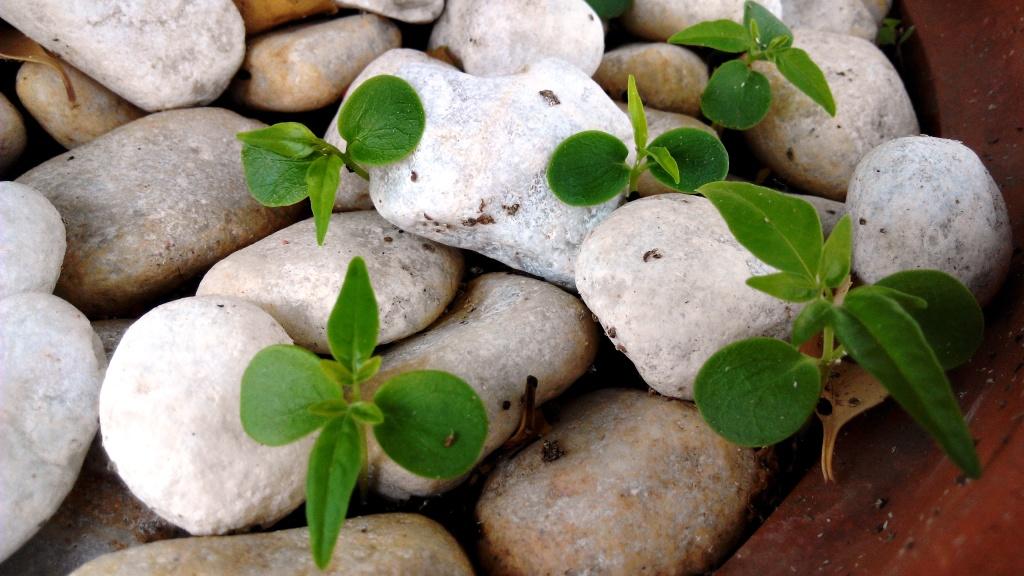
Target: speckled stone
<point x="503" y="333"/>
<point x="12" y="134"/>
<point x="658" y="19"/>
<point x="668" y="77"/>
<point x="32" y="241"/>
<point x="490" y="38"/>
<point x="95" y="111"/>
<point x="923" y="202"/>
<point x="382" y="544"/>
<point x="309" y="66"/>
<point x="156" y="55"/>
<point x="297" y="282"/>
<point x="852" y="17"/>
<point x="151" y="204"/>
<point x="624" y="483"/>
<point x="667" y="280"/>
<point x="478" y="178"/>
<point x="51" y="366"/>
<point x="169" y="417"/>
<point x="818" y="153"/>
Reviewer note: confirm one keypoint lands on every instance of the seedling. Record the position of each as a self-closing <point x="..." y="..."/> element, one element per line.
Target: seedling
<point x="893" y="32"/>
<point x="737" y="96"/>
<point x="430" y="422"/>
<point x="590" y="167"/>
<point x="906" y="330"/>
<point x="382" y="121"/>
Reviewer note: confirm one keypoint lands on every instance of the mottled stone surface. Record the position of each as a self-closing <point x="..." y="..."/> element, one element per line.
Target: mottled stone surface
<point x="490" y="38"/>
<point x="412" y="11"/>
<point x="12" y="134"/>
<point x="923" y="202"/>
<point x="624" y="483"/>
<point x="668" y="282"/>
<point x="169" y="415"/>
<point x="309" y="66"/>
<point x="382" y="544"/>
<point x="503" y="333"/>
<point x="851" y="17"/>
<point x="151" y="204"/>
<point x="95" y="111"/>
<point x="156" y="55"/>
<point x="478" y="178"/>
<point x="51" y="366"/>
<point x="658" y="19"/>
<point x="809" y="148"/>
<point x="297" y="281"/>
<point x="32" y="241"/>
<point x="668" y="77"/>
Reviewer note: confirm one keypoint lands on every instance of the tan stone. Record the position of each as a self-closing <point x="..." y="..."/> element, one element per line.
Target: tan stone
<point x="12" y="134"/>
<point x="668" y="77"/>
<point x="260" y="15"/>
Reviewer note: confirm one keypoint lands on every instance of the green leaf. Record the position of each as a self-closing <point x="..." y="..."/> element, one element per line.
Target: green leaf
<point x="781" y="230"/>
<point x="322" y="178"/>
<point x="736" y="96"/>
<point x="811" y="321"/>
<point x="757" y="392"/>
<point x="588" y="168"/>
<point x="278" y="387"/>
<point x="665" y="161"/>
<point x="368" y="370"/>
<point x="721" y="35"/>
<point x="768" y="26"/>
<point x="636" y="115"/>
<point x="434" y="423"/>
<point x="836" y="255"/>
<point x="353" y="325"/>
<point x="887" y="342"/>
<point x="366" y="413"/>
<point x="382" y="121"/>
<point x="329" y="408"/>
<point x="608" y="9"/>
<point x="274" y="180"/>
<point x="786" y="286"/>
<point x="700" y="158"/>
<point x="803" y="73"/>
<point x="334" y="466"/>
<point x="952" y="322"/>
<point x="907" y="301"/>
<point x="287" y="139"/>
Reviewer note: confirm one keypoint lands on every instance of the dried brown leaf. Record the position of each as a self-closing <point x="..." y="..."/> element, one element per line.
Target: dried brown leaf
<point x="16" y="46"/>
<point x="849" y="392"/>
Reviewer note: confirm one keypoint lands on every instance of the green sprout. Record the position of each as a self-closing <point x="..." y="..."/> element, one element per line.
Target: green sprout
<point x="906" y="331"/>
<point x="590" y="167"/>
<point x="431" y="423"/>
<point x="737" y="96"/>
<point x="382" y="121"/>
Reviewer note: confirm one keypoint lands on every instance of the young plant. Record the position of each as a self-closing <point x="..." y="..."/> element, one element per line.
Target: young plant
<point x="737" y="96"/>
<point x="382" y="121"/>
<point x="590" y="167"/>
<point x="906" y="330"/>
<point x="430" y="422"/>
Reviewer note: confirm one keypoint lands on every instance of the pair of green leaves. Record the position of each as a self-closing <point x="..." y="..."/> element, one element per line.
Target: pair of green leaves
<point x="590" y="168"/>
<point x="906" y="330"/>
<point x="382" y="121"/>
<point x="430" y="422"/>
<point x="737" y="96"/>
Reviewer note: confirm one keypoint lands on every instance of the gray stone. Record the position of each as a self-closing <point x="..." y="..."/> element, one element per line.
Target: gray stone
<point x="829" y="211"/>
<point x="156" y="55"/>
<point x="624" y="483"/>
<point x="51" y="366"/>
<point x="809" y="148"/>
<point x="922" y="202"/>
<point x="95" y="111"/>
<point x="32" y="241"/>
<point x="492" y="38"/>
<point x="668" y="77"/>
<point x="412" y="11"/>
<point x="297" y="282"/>
<point x="668" y="282"/>
<point x="478" y="178"/>
<point x="851" y="17"/>
<point x="658" y="19"/>
<point x="111" y="332"/>
<point x="879" y="8"/>
<point x="505" y="331"/>
<point x="169" y="415"/>
<point x="394" y="544"/>
<point x="151" y="204"/>
<point x="12" y="134"/>
<point x="354" y="190"/>
<point x="309" y="66"/>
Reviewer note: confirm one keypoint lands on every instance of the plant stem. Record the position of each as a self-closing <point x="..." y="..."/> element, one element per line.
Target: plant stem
<point x="364" y="466"/>
<point x="634" y="175"/>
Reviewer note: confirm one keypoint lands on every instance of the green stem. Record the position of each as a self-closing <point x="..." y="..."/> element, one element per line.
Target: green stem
<point x="364" y="465"/>
<point x="634" y="175"/>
